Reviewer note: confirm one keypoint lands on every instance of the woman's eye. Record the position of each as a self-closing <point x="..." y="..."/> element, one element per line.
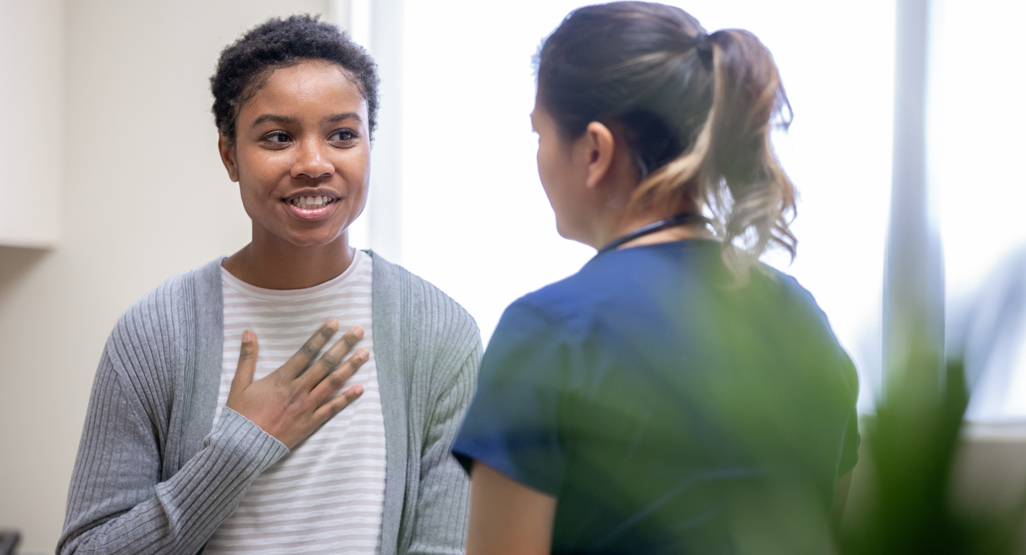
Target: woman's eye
<point x="277" y="138"/>
<point x="343" y="135"/>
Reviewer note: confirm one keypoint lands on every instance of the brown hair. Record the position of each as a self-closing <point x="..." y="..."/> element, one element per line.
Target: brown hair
<point x="696" y="110"/>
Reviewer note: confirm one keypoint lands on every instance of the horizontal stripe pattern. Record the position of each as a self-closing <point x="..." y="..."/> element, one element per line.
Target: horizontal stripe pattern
<point x="327" y="494"/>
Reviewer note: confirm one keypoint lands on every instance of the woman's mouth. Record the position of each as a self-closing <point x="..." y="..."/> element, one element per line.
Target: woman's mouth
<point x="312" y="207"/>
<point x="310" y="203"/>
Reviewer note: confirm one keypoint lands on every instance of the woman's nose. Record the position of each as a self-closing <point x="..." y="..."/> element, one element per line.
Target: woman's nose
<point x="312" y="162"/>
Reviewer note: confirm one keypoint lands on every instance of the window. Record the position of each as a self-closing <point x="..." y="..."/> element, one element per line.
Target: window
<point x="476" y="221"/>
<point x="975" y="127"/>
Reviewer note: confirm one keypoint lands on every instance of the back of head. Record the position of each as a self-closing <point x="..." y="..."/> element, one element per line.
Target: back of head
<point x="696" y="110"/>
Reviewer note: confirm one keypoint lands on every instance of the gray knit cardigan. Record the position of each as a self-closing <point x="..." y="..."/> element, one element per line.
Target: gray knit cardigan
<point x="151" y="477"/>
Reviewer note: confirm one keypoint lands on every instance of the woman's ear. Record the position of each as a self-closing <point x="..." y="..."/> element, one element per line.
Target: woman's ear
<point x="599" y="145"/>
<point x="227" y="150"/>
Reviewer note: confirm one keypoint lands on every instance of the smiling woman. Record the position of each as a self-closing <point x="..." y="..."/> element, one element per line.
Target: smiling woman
<point x="195" y="439"/>
<point x="301" y="156"/>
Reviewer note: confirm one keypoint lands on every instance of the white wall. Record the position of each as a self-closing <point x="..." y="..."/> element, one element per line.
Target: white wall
<point x="144" y="197"/>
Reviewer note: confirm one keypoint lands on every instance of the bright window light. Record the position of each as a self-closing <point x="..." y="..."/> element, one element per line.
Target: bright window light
<point x="976" y="119"/>
<point x="476" y="221"/>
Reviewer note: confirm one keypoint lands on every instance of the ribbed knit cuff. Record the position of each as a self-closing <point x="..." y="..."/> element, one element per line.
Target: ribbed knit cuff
<point x="236" y="453"/>
<point x="238" y="436"/>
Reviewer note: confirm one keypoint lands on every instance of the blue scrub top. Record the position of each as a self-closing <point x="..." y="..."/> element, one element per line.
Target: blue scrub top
<point x="668" y="410"/>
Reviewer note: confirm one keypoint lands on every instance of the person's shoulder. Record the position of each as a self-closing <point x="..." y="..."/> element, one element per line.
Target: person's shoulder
<point x="791" y="295"/>
<point x="169" y="303"/>
<point x="166" y="311"/>
<point x="556" y="300"/>
<point x="173" y="289"/>
<point x="554" y="313"/>
<point x="422" y="304"/>
<point x="572" y="302"/>
<point x="797" y="306"/>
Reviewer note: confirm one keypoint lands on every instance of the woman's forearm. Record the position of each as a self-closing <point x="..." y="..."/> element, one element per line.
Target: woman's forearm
<point x="115" y="503"/>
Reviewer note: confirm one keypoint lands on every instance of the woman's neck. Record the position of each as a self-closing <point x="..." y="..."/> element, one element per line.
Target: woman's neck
<point x="627" y="221"/>
<point x="277" y="265"/>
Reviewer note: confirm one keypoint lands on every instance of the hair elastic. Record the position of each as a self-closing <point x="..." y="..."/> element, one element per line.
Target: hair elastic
<point x="704" y="48"/>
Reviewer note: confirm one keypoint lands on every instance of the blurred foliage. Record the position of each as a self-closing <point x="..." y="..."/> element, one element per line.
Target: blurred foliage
<point x="913" y="444"/>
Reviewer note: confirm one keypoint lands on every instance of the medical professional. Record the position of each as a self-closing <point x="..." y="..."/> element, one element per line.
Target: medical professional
<point x="675" y="395"/>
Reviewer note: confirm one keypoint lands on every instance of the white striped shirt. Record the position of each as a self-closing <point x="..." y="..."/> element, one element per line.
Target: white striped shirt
<point x="327" y="494"/>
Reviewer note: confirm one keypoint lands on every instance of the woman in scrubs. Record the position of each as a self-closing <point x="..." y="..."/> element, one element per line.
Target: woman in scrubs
<point x="675" y="395"/>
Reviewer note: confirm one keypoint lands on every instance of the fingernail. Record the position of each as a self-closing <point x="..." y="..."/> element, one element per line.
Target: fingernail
<point x="358" y="389"/>
<point x="357" y="331"/>
<point x="247" y="336"/>
<point x="362" y="353"/>
<point x="332" y="323"/>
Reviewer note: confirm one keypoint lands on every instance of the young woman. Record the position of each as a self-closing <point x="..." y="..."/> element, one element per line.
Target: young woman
<point x="198" y="440"/>
<point x="675" y="395"/>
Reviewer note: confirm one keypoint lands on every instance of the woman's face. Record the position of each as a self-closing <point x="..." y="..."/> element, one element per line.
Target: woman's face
<point x="562" y="178"/>
<point x="302" y="155"/>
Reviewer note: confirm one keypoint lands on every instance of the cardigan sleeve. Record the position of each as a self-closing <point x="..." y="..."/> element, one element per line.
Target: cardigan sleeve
<point x="116" y="503"/>
<point x="444" y="497"/>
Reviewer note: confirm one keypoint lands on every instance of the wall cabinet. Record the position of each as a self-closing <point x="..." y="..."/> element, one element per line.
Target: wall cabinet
<point x="32" y="107"/>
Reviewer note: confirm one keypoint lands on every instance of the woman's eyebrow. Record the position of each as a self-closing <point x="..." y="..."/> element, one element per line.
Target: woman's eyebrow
<point x="335" y="118"/>
<point x="274" y="118"/>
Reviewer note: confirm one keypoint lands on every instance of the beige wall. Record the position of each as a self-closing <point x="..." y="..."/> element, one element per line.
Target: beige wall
<point x="144" y="196"/>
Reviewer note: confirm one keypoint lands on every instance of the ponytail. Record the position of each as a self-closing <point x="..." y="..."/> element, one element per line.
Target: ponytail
<point x="747" y="96"/>
<point x="731" y="164"/>
<point x="696" y="110"/>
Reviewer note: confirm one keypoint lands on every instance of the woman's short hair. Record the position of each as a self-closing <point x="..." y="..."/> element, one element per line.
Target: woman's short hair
<point x="695" y="109"/>
<point x="244" y="66"/>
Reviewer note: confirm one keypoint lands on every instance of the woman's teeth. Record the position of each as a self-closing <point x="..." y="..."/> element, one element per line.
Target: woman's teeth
<point x="311" y="203"/>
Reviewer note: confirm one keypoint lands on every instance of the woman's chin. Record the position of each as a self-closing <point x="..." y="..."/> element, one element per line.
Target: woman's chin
<point x="566" y="232"/>
<point x="320" y="241"/>
<point x="308" y="238"/>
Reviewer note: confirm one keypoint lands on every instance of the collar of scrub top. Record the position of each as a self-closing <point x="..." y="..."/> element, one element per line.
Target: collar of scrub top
<point x="672" y="221"/>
